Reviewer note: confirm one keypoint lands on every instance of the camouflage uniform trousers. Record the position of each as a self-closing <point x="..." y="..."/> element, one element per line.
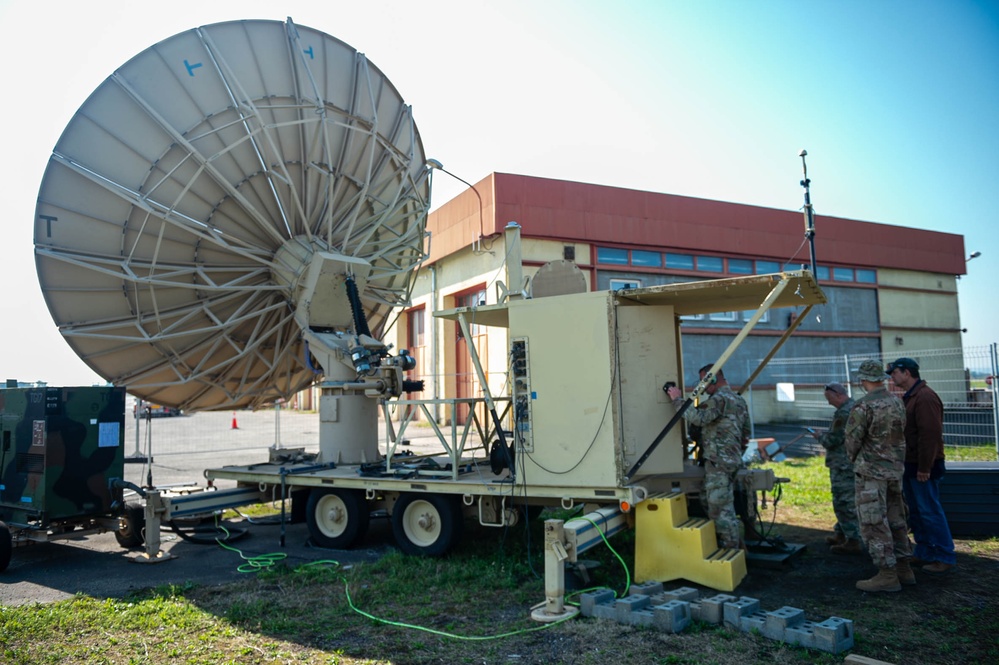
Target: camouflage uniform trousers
<point x="882" y="516"/>
<point x="842" y="479"/>
<point x="719" y="498"/>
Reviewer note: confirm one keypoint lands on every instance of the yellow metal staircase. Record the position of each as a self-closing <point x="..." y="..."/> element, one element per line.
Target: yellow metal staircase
<point x="669" y="545"/>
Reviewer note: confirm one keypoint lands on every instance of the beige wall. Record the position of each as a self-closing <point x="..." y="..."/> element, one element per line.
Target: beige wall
<point x="919" y="315"/>
<point x="910" y="279"/>
<point x="918" y="309"/>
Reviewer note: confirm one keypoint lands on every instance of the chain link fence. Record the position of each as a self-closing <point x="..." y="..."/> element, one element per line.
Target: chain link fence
<point x="965" y="379"/>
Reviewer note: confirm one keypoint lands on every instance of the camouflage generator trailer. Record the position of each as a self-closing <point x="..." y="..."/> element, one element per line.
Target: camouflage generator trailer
<point x="61" y="458"/>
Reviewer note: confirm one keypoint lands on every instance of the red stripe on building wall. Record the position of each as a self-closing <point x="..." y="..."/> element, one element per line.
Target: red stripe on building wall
<point x="580" y="212"/>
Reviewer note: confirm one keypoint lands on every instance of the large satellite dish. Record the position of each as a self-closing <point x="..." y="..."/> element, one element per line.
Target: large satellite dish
<point x="202" y="208"/>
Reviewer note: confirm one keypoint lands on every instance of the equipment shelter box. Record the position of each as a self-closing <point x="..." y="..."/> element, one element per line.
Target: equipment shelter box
<point x="587" y="371"/>
<point x="591" y="377"/>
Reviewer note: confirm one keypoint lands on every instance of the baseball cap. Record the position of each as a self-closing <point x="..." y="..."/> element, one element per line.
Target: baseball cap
<point x="903" y="363"/>
<point x="870" y="370"/>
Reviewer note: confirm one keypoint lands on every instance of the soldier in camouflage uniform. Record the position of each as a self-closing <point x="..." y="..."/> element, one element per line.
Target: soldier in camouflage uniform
<point x="724" y="421"/>
<point x="875" y="441"/>
<point x="846" y="536"/>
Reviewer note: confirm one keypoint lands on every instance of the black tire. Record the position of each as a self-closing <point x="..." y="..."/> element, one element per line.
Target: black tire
<point x="132" y="526"/>
<point x="337" y="518"/>
<point x="6" y="546"/>
<point x="427" y="524"/>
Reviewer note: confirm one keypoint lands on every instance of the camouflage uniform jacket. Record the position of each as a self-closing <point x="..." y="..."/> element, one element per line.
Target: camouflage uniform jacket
<point x="724" y="422"/>
<point x="833" y="440"/>
<point x="875" y="435"/>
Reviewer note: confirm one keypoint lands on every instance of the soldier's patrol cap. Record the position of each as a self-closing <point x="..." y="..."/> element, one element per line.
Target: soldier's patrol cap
<point x="871" y="370"/>
<point x="903" y="363"/>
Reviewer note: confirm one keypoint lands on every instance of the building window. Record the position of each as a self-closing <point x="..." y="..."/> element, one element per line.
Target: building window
<point x="843" y="274"/>
<point x="709" y="263"/>
<point x="740" y="266"/>
<point x="612" y="255"/>
<point x="723" y="316"/>
<point x="680" y="261"/>
<point x="691" y="317"/>
<point x="618" y="284"/>
<point x="866" y="276"/>
<point x="647" y="259"/>
<point x="767" y="267"/>
<point x="472" y="299"/>
<point x="748" y="314"/>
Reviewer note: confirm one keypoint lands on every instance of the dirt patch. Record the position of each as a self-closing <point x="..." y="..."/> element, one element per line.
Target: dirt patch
<point x="949" y="618"/>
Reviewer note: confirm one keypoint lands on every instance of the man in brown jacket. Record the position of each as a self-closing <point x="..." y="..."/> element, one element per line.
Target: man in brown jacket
<point x="924" y="467"/>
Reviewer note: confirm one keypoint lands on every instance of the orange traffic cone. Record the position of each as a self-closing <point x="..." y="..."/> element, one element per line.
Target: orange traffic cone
<point x="234" y="425"/>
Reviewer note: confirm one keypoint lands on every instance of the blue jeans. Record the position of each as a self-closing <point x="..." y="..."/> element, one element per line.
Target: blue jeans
<point x="926" y="516"/>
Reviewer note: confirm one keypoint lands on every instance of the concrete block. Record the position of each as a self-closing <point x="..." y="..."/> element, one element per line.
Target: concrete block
<point x="683" y="593"/>
<point x="672" y="616"/>
<point x="605" y="611"/>
<point x="801" y="635"/>
<point x="834" y="635"/>
<point x="646" y="588"/>
<point x="778" y="621"/>
<point x="625" y="606"/>
<point x="754" y="621"/>
<point x="644" y="617"/>
<point x="733" y="611"/>
<point x="590" y="599"/>
<point x="695" y="610"/>
<point x="712" y="609"/>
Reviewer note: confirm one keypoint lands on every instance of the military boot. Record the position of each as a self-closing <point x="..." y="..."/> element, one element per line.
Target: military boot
<point x="885" y="580"/>
<point x="836" y="539"/>
<point x="851" y="546"/>
<point x="904" y="572"/>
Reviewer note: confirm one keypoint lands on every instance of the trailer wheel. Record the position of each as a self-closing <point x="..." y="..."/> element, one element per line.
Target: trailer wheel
<point x="131" y="526"/>
<point x="427" y="524"/>
<point x="6" y="546"/>
<point x="337" y="518"/>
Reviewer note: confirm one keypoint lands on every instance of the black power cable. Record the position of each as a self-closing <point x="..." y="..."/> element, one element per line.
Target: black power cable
<point x="357" y="308"/>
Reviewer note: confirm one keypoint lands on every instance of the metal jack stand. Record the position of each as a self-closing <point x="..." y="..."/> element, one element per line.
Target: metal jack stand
<point x="554" y="607"/>
<point x="566" y="541"/>
<point x="153" y="553"/>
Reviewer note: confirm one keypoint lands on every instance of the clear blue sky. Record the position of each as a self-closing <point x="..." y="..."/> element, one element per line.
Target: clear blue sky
<point x="897" y="103"/>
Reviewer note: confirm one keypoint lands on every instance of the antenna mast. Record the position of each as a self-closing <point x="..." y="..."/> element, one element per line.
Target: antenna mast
<point x="809" y="216"/>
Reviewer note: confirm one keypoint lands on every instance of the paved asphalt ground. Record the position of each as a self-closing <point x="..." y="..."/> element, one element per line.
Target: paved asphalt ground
<point x="97" y="566"/>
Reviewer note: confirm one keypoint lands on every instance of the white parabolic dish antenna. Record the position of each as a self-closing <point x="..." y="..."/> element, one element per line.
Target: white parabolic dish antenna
<point x="208" y="210"/>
